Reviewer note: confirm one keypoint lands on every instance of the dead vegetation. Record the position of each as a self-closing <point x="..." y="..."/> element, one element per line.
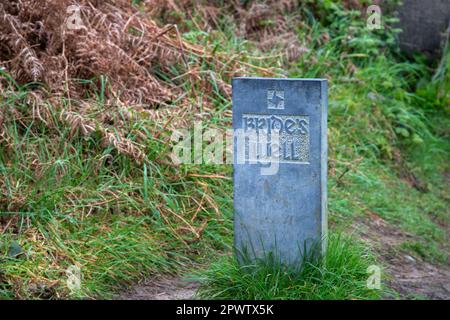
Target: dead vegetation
<point x="110" y="39"/>
<point x="70" y="53"/>
<point x="96" y="69"/>
<point x="269" y="24"/>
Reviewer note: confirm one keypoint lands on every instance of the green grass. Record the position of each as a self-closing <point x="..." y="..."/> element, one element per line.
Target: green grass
<point x="383" y="134"/>
<point x="106" y="256"/>
<point x="76" y="202"/>
<point x="342" y="274"/>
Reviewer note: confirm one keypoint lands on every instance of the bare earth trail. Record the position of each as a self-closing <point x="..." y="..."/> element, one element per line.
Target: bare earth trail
<point x="164" y="288"/>
<point x="409" y="276"/>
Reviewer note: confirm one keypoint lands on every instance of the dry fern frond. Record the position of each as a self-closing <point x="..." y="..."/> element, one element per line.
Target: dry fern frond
<point x="115" y="40"/>
<point x="117" y="53"/>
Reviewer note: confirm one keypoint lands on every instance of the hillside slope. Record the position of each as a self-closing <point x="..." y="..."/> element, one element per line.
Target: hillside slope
<point x="89" y="192"/>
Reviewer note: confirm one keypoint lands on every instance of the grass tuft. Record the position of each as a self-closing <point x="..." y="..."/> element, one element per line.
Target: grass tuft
<point x="341" y="274"/>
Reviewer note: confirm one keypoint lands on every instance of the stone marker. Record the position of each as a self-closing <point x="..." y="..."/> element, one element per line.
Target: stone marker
<point x="280" y="167"/>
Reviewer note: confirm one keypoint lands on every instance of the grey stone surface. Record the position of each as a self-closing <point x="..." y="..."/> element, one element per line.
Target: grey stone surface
<point x="424" y="24"/>
<point x="282" y="212"/>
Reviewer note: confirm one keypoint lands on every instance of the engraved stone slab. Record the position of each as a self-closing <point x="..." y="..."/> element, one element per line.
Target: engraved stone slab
<point x="280" y="167"/>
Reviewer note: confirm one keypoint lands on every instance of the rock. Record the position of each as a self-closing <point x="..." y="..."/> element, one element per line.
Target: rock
<point x="15" y="250"/>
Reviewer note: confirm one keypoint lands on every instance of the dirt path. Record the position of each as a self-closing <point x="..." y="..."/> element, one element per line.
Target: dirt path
<point x="409" y="276"/>
<point x="167" y="288"/>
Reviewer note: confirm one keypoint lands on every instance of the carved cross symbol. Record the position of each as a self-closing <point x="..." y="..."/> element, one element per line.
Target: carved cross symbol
<point x="275" y="99"/>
